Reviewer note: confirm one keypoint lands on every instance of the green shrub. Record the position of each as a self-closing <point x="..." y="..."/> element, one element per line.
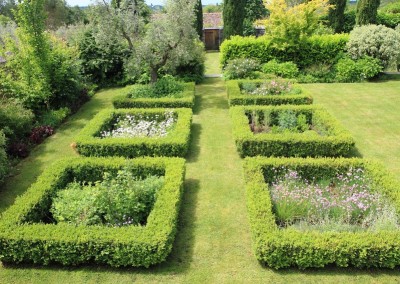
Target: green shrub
<point x="390" y="20"/>
<point x="375" y="41"/>
<point x="281" y="248"/>
<point x="176" y="143"/>
<point x="118" y="200"/>
<point x="322" y="73"/>
<point x="284" y="70"/>
<point x="15" y="120"/>
<point x="333" y="140"/>
<point x="349" y="71"/>
<point x="236" y="97"/>
<point x="182" y="99"/>
<point x="25" y="238"/>
<point x="241" y="68"/>
<point x="54" y="118"/>
<point x="316" y="49"/>
<point x="3" y="157"/>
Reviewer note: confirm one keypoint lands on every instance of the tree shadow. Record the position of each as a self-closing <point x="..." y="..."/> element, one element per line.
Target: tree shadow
<point x="194" y="148"/>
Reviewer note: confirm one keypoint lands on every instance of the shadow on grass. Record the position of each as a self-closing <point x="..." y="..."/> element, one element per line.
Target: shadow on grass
<point x="332" y="270"/>
<point x="194" y="148"/>
<point x="355" y="152"/>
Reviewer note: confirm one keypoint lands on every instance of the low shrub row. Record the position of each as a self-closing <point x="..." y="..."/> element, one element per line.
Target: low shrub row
<point x="330" y="139"/>
<point x="175" y="143"/>
<point x="185" y="99"/>
<point x="281" y="248"/>
<point x="27" y="235"/>
<point x="237" y="97"/>
<point x="316" y="49"/>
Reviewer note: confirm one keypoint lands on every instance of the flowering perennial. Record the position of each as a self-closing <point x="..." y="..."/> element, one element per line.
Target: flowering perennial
<point x="274" y="87"/>
<point x="140" y="125"/>
<point x="346" y="198"/>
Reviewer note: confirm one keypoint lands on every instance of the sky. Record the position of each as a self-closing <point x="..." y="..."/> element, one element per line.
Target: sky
<point x="154" y="2"/>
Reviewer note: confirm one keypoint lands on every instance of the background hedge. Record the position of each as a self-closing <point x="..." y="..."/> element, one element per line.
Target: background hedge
<point x="175" y="144"/>
<point x="337" y="142"/>
<point x="187" y="100"/>
<point x="23" y="239"/>
<point x="280" y="248"/>
<point x="237" y="98"/>
<point x="316" y="49"/>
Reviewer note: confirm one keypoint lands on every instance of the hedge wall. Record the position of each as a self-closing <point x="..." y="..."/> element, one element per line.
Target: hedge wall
<point x="187" y="100"/>
<point x="236" y="97"/>
<point x="315" y="50"/>
<point x="337" y="142"/>
<point x="24" y="239"/>
<point x="176" y="143"/>
<point x="280" y="248"/>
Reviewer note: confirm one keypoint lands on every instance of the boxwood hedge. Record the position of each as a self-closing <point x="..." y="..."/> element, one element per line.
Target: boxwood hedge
<point x="25" y="238"/>
<point x="176" y="143"/>
<point x="281" y="248"/>
<point x="186" y="101"/>
<point x="316" y="49"/>
<point x="236" y="97"/>
<point x="336" y="142"/>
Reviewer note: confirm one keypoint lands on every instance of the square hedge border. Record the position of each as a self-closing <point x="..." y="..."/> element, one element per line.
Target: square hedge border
<point x="175" y="144"/>
<point x="24" y="240"/>
<point x="338" y="143"/>
<point x="281" y="248"/>
<point x="187" y="100"/>
<point x="236" y="97"/>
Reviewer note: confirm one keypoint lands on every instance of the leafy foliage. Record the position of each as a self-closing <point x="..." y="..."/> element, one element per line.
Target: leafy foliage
<point x="349" y="70"/>
<point x="40" y="133"/>
<point x="3" y="157"/>
<point x="241" y="68"/>
<point x="254" y="10"/>
<point x="233" y="17"/>
<point x="376" y="41"/>
<point x="288" y="26"/>
<point x="284" y="70"/>
<point x="115" y="201"/>
<point x="367" y="11"/>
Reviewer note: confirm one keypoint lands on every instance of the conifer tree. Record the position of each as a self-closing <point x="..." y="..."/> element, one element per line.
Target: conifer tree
<point x="233" y="16"/>
<point x="336" y="15"/>
<point x="367" y="11"/>
<point x="199" y="18"/>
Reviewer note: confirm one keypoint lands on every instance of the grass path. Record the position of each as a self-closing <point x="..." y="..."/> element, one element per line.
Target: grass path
<point x="213" y="241"/>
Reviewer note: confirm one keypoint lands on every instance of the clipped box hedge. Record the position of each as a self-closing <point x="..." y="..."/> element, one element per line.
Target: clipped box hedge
<point x="25" y="239"/>
<point x="186" y="101"/>
<point x="175" y="144"/>
<point x="316" y="49"/>
<point x="236" y="97"/>
<point x="281" y="248"/>
<point x="337" y="142"/>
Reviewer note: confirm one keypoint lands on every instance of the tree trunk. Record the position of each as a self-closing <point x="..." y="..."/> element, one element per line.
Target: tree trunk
<point x="154" y="75"/>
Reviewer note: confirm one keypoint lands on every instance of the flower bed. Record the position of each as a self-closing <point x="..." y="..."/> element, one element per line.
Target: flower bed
<point x="279" y="246"/>
<point x="301" y="131"/>
<point x="183" y="99"/>
<point x="27" y="236"/>
<point x="136" y="132"/>
<point x="258" y="92"/>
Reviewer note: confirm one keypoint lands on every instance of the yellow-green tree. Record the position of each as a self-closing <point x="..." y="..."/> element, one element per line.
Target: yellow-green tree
<point x="290" y="25"/>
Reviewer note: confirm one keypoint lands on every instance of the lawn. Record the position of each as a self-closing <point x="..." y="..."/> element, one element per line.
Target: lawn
<point x="213" y="241"/>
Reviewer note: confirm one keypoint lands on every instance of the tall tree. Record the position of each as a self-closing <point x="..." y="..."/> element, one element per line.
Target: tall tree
<point x="233" y="16"/>
<point x="336" y="15"/>
<point x="254" y="10"/>
<point x="199" y="18"/>
<point x="6" y="7"/>
<point x="367" y="11"/>
<point x="170" y="39"/>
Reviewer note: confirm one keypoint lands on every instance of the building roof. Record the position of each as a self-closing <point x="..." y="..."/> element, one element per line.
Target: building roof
<point x="212" y="20"/>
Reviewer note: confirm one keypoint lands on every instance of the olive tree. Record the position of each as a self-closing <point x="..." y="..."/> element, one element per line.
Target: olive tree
<point x="170" y="39"/>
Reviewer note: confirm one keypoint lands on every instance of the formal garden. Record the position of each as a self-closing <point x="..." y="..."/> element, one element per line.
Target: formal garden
<point x="128" y="154"/>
